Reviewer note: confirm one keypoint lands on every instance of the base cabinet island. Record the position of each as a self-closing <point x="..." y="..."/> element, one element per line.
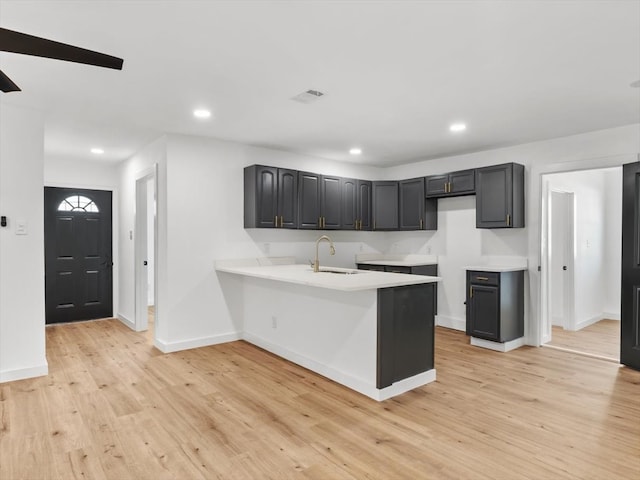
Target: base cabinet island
<point x="370" y="331"/>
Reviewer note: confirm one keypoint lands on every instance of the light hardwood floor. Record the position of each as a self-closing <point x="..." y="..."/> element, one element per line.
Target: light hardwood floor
<point x="113" y="407"/>
<point x="600" y="339"/>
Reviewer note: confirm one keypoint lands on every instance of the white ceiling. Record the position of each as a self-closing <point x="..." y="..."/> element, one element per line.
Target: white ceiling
<point x="395" y="73"/>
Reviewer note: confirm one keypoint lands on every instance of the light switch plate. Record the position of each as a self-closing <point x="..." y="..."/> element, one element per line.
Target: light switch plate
<point x="21" y="227"/>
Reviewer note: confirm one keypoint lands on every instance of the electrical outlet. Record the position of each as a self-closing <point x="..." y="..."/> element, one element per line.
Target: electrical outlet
<point x="274" y="322"/>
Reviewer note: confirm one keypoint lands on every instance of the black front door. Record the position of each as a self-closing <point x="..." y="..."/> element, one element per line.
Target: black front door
<point x="630" y="296"/>
<point x="78" y="261"/>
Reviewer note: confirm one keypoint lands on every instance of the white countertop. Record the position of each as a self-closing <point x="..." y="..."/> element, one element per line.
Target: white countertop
<point x="304" y="275"/>
<point x="496" y="268"/>
<point x="408" y="260"/>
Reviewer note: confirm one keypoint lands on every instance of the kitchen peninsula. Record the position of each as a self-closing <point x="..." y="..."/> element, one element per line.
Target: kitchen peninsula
<point x="369" y="331"/>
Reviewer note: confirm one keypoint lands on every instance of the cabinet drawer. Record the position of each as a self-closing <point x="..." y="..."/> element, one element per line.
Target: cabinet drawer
<point x="484" y="278"/>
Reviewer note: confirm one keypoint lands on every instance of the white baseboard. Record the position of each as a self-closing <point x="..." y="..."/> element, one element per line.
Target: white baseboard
<point x="340" y="377"/>
<point x="170" y="347"/>
<point x="589" y="321"/>
<point x="22" y="373"/>
<point x="611" y="315"/>
<point x="451" y="322"/>
<point x="126" y="321"/>
<point x="497" y="346"/>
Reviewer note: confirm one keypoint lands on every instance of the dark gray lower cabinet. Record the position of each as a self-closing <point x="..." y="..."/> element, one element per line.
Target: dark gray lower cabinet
<point x="495" y="305"/>
<point x="405" y="332"/>
<point x="429" y="270"/>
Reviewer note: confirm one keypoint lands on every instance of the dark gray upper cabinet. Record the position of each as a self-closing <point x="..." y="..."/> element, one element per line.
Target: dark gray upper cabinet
<point x="500" y="196"/>
<point x="349" y="204"/>
<point x="411" y="214"/>
<point x="309" y="200"/>
<point x="451" y="184"/>
<point x="385" y="205"/>
<point x="416" y="213"/>
<point x="270" y="197"/>
<point x="364" y="205"/>
<point x="330" y="202"/>
<point x="319" y="201"/>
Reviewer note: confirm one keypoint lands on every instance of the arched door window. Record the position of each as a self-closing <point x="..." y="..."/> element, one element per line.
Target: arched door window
<point x="78" y="203"/>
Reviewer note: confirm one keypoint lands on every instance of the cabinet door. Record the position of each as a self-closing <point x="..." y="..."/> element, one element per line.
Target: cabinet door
<point x="308" y="200"/>
<point x="412" y="200"/>
<point x="364" y="205"/>
<point x="349" y="204"/>
<point x="287" y="198"/>
<point x="500" y="196"/>
<point x="462" y="182"/>
<point x="483" y="312"/>
<point x="436" y="185"/>
<point x="330" y="202"/>
<point x="260" y="196"/>
<point x="385" y="205"/>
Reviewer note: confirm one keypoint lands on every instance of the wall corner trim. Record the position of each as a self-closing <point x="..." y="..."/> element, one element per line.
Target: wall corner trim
<point x="126" y="321"/>
<point x="170" y="347"/>
<point x="24" y="373"/>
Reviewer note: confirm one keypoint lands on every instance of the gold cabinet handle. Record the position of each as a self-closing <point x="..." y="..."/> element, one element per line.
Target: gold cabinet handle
<point x="482" y="278"/>
<point x="508" y="220"/>
<point x="324" y="222"/>
<point x="470" y="292"/>
<point x="275" y="221"/>
<point x="420" y="224"/>
<point x="281" y="221"/>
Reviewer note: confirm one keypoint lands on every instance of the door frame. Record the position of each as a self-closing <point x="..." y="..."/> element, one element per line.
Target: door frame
<point x="140" y="250"/>
<point x="537" y="236"/>
<point x="568" y="279"/>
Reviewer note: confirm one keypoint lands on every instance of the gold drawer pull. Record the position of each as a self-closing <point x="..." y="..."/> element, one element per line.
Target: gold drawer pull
<point x="482" y="278"/>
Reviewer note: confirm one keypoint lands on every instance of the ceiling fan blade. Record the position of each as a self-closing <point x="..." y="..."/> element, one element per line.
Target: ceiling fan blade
<point x="6" y="84"/>
<point x="16" y="42"/>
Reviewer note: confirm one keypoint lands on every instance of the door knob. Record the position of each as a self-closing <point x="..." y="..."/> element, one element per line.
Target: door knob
<point x="564" y="267"/>
<point x="144" y="263"/>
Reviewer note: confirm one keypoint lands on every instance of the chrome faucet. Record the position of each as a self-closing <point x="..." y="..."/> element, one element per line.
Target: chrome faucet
<point x="332" y="251"/>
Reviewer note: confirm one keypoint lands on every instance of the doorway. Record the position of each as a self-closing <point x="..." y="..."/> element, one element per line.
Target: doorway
<point x="78" y="254"/>
<point x="145" y="254"/>
<point x="582" y="240"/>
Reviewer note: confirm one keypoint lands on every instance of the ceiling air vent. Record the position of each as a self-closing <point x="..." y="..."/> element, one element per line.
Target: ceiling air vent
<point x="309" y="96"/>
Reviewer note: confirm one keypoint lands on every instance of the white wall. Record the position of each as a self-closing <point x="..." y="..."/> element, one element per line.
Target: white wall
<point x="91" y="174"/>
<point x="22" y="334"/>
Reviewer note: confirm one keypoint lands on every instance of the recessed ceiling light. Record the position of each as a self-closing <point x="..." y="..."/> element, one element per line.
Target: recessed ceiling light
<point x="457" y="127"/>
<point x="97" y="151"/>
<point x="355" y="151"/>
<point x="201" y="113"/>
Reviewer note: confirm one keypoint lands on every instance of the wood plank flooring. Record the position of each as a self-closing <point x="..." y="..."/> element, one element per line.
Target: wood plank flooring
<point x="600" y="339"/>
<point x="114" y="407"/>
